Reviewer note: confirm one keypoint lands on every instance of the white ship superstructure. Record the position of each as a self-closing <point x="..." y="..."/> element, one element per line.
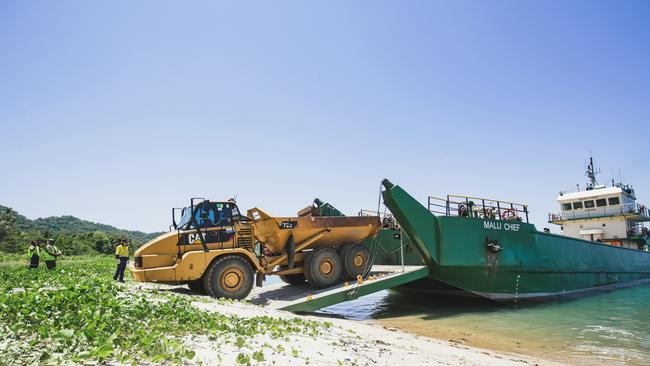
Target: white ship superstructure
<point x="606" y="214"/>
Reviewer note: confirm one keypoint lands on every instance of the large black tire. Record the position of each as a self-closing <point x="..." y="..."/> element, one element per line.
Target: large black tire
<point x="355" y="260"/>
<point x="196" y="286"/>
<point x="323" y="267"/>
<point x="293" y="279"/>
<point x="229" y="276"/>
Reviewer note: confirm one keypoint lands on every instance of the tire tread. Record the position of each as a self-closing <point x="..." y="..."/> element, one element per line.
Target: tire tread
<point x="208" y="278"/>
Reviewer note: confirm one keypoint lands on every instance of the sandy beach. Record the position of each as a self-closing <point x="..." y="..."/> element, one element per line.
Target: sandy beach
<point x="339" y="342"/>
<point x="474" y="338"/>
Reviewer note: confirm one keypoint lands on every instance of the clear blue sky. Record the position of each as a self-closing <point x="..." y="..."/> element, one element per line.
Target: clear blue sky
<point x="117" y="111"/>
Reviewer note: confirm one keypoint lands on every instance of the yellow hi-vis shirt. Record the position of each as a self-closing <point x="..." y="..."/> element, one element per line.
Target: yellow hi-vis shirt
<point x="122" y="251"/>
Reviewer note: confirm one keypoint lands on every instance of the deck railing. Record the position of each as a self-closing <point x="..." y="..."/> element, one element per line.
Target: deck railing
<point x="477" y="207"/>
<point x="388" y="221"/>
<point x="625" y="209"/>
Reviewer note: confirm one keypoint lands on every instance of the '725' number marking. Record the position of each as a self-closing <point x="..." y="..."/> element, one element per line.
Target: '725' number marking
<point x="288" y="224"/>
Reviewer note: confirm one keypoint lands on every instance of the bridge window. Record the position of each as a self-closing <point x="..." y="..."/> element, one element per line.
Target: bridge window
<point x="589" y="204"/>
<point x="614" y="201"/>
<point x="577" y="205"/>
<point x="566" y="206"/>
<point x="601" y="202"/>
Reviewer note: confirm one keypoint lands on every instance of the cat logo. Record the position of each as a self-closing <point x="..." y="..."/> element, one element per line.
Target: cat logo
<point x="194" y="238"/>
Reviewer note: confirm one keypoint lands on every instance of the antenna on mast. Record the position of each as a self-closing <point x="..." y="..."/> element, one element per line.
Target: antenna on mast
<point x="591" y="173"/>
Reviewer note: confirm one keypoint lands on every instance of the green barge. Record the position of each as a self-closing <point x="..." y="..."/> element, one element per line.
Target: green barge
<point x="487" y="248"/>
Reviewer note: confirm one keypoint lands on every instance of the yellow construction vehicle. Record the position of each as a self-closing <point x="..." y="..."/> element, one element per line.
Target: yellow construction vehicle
<point x="216" y="250"/>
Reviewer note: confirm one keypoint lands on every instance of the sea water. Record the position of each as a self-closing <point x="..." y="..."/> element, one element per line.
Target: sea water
<point x="610" y="328"/>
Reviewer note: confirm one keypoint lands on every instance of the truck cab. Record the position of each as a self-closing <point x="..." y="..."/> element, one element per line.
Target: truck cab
<point x="206" y="229"/>
<point x="210" y="223"/>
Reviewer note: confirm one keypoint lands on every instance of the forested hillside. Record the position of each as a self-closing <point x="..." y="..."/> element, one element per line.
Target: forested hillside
<point x="73" y="236"/>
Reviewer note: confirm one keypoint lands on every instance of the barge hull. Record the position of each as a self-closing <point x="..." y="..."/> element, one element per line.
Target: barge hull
<point x="529" y="265"/>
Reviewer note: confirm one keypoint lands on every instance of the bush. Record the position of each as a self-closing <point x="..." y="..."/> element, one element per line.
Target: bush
<point x="9" y="234"/>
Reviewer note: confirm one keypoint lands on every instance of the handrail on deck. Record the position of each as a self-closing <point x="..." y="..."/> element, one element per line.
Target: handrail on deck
<point x="388" y="221"/>
<point x="486" y="208"/>
<point x="485" y="199"/>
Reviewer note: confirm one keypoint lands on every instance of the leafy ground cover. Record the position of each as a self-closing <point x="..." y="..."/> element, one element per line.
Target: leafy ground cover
<point x="78" y="314"/>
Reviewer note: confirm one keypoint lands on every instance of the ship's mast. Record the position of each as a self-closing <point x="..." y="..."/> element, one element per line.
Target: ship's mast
<point x="591" y="173"/>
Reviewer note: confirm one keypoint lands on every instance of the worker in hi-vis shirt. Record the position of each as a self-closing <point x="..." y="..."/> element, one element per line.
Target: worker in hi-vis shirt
<point x="122" y="257"/>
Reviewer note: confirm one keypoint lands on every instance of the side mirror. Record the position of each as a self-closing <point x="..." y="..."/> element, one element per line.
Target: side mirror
<point x="173" y="218"/>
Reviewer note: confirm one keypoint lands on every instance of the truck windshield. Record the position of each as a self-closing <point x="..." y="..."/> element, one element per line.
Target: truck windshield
<point x="207" y="214"/>
<point x="185" y="217"/>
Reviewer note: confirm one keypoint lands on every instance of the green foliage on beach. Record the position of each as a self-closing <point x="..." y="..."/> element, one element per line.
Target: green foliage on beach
<point x="77" y="313"/>
<point x="73" y="236"/>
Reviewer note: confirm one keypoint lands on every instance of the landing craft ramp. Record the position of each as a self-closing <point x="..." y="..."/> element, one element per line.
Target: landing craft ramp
<point x="304" y="298"/>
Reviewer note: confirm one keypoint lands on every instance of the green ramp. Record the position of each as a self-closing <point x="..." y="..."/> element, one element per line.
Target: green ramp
<point x="302" y="298"/>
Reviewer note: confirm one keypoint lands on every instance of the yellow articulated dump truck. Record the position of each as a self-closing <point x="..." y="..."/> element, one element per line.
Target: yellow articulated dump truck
<point x="217" y="250"/>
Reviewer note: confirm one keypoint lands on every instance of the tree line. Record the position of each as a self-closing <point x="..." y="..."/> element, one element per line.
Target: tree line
<point x="73" y="236"/>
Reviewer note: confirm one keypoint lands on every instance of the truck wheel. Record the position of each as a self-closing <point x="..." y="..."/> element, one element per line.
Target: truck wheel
<point x="229" y="276"/>
<point x="196" y="286"/>
<point x="355" y="260"/>
<point x="293" y="279"/>
<point x="323" y="267"/>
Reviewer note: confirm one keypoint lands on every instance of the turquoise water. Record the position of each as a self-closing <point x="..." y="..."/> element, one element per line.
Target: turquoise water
<point x="611" y="328"/>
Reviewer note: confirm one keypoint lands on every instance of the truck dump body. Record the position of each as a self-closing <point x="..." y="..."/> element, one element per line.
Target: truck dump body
<point x="274" y="232"/>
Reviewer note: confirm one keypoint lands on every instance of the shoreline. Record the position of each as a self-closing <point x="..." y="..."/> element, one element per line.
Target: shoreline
<point x="565" y="332"/>
<point x="462" y="335"/>
<point x="341" y="342"/>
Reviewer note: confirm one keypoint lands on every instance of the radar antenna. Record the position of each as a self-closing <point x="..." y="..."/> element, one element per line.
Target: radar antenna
<point x="591" y="173"/>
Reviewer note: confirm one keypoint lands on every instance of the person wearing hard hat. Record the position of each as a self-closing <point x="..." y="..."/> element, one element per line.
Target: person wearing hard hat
<point x="50" y="254"/>
<point x="33" y="254"/>
<point x="122" y="258"/>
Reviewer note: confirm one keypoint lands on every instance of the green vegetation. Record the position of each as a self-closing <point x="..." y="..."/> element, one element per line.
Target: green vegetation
<point x="73" y="236"/>
<point x="77" y="313"/>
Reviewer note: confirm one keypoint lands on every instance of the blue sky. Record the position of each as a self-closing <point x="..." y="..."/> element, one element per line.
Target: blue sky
<point x="117" y="111"/>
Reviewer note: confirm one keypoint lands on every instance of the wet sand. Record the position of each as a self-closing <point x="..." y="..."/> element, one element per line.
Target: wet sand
<point x="475" y="336"/>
